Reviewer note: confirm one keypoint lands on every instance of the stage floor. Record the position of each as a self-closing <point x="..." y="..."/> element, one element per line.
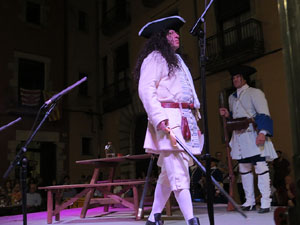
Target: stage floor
<point x="123" y="216"/>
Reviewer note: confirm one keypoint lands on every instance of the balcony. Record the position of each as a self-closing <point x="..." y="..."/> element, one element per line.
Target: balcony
<point x="116" y="95"/>
<point x="116" y="19"/>
<point x="235" y="45"/>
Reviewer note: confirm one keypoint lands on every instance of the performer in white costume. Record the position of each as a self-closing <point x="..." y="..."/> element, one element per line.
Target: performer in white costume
<point x="251" y="146"/>
<point x="166" y="88"/>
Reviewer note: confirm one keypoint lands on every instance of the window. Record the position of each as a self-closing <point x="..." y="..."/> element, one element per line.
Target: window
<point x="232" y="37"/>
<point x="104" y="71"/>
<point x="83" y="87"/>
<point x="104" y="8"/>
<point x="122" y="66"/>
<point x="82" y="21"/>
<point x="33" y="13"/>
<point x="232" y="12"/>
<point x="121" y="9"/>
<point x="231" y="8"/>
<point x="230" y="15"/>
<point x="86" y="146"/>
<point x="31" y="82"/>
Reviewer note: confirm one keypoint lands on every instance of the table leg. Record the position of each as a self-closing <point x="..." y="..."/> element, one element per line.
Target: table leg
<point x="135" y="201"/>
<point x="87" y="202"/>
<point x="49" y="206"/>
<point x="110" y="179"/>
<point x="58" y="196"/>
<point x="169" y="207"/>
<point x="90" y="194"/>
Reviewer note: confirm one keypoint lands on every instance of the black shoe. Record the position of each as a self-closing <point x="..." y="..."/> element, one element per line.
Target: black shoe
<point x="194" y="221"/>
<point x="264" y="210"/>
<point x="157" y="218"/>
<point x="249" y="208"/>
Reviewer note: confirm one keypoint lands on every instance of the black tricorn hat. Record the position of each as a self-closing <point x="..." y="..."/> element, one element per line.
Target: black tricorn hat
<point x="242" y="70"/>
<point x="166" y="23"/>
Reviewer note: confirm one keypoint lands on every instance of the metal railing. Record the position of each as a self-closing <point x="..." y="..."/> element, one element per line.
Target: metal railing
<point x="238" y="44"/>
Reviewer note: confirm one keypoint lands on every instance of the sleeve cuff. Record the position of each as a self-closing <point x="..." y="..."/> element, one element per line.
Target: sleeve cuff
<point x="263" y="132"/>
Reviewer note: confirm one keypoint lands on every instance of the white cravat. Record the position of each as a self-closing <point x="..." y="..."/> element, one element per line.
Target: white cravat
<point x="241" y="89"/>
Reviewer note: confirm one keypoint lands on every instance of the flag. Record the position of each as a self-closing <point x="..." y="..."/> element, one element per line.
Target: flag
<point x="55" y="113"/>
<point x="30" y="97"/>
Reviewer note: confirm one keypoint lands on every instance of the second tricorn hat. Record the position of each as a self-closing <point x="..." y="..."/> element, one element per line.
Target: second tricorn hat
<point x="242" y="70"/>
<point x="171" y="22"/>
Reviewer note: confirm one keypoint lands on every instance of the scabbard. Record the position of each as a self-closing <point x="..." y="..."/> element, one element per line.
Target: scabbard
<point x="141" y="206"/>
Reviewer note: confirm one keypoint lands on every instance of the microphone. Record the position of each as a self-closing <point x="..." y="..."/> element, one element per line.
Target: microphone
<point x="11" y="123"/>
<point x="58" y="95"/>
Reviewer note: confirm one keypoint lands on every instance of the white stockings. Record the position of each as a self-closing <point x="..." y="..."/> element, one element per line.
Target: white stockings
<point x="161" y="196"/>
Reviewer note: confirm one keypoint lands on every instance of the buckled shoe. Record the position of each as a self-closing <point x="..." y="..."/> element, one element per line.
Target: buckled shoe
<point x="157" y="218"/>
<point x="249" y="208"/>
<point x="264" y="210"/>
<point x="194" y="221"/>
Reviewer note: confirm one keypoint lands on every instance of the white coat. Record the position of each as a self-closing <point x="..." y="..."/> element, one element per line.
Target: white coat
<point x="156" y="86"/>
<point x="250" y="101"/>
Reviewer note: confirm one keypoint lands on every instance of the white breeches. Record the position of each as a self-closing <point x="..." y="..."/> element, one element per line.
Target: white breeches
<point x="174" y="170"/>
<point x="174" y="177"/>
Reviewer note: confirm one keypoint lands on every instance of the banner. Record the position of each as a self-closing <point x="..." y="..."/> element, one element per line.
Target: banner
<point x="30" y="97"/>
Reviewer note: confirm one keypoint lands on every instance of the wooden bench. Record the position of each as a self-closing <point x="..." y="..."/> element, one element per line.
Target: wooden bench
<point x="104" y="187"/>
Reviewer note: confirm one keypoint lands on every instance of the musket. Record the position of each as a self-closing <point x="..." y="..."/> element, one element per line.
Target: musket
<point x="229" y="160"/>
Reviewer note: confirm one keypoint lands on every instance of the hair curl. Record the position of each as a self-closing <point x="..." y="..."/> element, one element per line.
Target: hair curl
<point x="157" y="42"/>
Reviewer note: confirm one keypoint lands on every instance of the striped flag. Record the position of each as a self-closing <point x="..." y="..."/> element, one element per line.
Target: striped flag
<point x="30" y="97"/>
<point x="55" y="114"/>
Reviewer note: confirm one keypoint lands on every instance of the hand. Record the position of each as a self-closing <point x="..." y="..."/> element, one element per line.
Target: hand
<point x="260" y="139"/>
<point x="224" y="112"/>
<point x="291" y="203"/>
<point x="163" y="126"/>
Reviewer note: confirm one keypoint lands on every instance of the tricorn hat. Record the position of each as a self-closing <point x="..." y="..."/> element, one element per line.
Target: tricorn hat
<point x="242" y="70"/>
<point x="171" y="22"/>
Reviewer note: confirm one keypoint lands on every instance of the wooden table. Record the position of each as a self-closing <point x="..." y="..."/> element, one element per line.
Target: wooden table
<point x="105" y="186"/>
<point x="109" y="197"/>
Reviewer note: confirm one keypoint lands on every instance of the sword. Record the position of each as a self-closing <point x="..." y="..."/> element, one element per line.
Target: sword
<point x="174" y="141"/>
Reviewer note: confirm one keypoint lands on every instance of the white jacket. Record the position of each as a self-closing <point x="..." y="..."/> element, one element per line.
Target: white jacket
<point x="250" y="101"/>
<point x="156" y="86"/>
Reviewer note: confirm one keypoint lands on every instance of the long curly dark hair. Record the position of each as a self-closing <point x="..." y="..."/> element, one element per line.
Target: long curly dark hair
<point x="157" y="42"/>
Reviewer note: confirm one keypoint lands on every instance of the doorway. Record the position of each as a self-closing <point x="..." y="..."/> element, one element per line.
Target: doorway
<point x="41" y="162"/>
<point x="139" y="137"/>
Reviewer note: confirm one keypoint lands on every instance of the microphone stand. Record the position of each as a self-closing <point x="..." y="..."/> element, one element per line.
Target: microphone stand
<point x="21" y="159"/>
<point x="200" y="33"/>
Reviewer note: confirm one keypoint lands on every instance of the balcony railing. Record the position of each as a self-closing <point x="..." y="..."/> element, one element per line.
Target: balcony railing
<point x="235" y="45"/>
<point x="116" y="95"/>
<point x="116" y="18"/>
